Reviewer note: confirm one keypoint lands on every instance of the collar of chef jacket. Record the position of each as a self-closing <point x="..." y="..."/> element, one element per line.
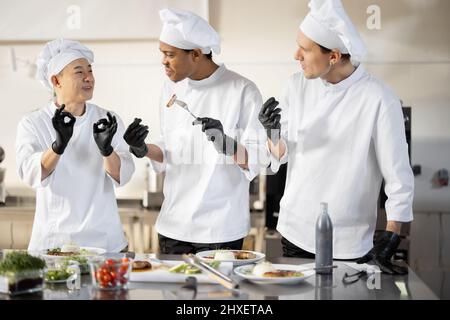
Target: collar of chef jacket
<point x="78" y="119"/>
<point x="346" y="83"/>
<point x="211" y="79"/>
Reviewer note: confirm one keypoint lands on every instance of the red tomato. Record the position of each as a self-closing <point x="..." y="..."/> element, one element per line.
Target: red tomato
<point x="113" y="275"/>
<point x="110" y="262"/>
<point x="123" y="269"/>
<point x="125" y="260"/>
<point x="105" y="278"/>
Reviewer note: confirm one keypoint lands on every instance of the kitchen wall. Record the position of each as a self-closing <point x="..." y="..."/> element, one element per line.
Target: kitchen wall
<point x="410" y="52"/>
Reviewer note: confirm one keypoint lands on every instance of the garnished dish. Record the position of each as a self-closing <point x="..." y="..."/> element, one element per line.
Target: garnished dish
<point x="140" y="266"/>
<point x="74" y="250"/>
<point x="238" y="257"/>
<point x="185" y="268"/>
<point x="268" y="273"/>
<point x="70" y="252"/>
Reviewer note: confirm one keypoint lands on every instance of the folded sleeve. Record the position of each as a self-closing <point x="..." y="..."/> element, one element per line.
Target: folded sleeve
<point x="392" y="155"/>
<point x="121" y="148"/>
<point x="252" y="134"/>
<point x="29" y="153"/>
<point x="284" y="105"/>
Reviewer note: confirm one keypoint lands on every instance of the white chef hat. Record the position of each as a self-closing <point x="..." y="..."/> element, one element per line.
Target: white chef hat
<point x="56" y="55"/>
<point x="186" y="30"/>
<point x="328" y="24"/>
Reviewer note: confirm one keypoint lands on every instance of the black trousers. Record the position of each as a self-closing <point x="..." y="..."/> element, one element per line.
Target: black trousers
<point x="290" y="250"/>
<point x="172" y="246"/>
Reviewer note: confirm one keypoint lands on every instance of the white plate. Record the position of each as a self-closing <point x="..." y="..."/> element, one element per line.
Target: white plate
<point x="246" y="273"/>
<point x="236" y="262"/>
<point x="91" y="251"/>
<point x="55" y="281"/>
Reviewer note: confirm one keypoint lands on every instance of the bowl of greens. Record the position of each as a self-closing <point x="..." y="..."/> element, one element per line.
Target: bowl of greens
<point x="21" y="273"/>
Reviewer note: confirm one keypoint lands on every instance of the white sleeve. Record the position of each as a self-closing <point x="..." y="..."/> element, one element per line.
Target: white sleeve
<point x="29" y="155"/>
<point x="122" y="150"/>
<point x="252" y="133"/>
<point x="159" y="141"/>
<point x="284" y="105"/>
<point x="392" y="155"/>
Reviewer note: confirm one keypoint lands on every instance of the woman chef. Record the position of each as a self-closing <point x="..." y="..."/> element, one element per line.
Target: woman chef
<point x="208" y="166"/>
<point x="342" y="132"/>
<point x="73" y="154"/>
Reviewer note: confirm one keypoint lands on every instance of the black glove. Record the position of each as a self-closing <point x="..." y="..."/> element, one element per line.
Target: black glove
<point x="135" y="137"/>
<point x="104" y="131"/>
<point x="64" y="130"/>
<point x="269" y="116"/>
<point x="214" y="132"/>
<point x="382" y="253"/>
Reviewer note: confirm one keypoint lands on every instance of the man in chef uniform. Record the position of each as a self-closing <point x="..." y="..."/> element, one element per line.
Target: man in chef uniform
<point x="342" y="132"/>
<point x="209" y="161"/>
<point x="73" y="154"/>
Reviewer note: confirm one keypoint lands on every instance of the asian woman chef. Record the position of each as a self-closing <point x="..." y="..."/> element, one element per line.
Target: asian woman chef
<point x="72" y="152"/>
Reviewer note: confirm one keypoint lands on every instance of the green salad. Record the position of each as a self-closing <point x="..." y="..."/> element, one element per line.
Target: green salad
<point x="20" y="261"/>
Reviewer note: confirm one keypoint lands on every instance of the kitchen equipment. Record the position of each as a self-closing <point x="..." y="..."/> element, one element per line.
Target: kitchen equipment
<point x="324" y="241"/>
<point x="211" y="272"/>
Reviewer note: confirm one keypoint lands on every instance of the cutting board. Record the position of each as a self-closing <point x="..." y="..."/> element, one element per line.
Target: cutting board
<point x="160" y="274"/>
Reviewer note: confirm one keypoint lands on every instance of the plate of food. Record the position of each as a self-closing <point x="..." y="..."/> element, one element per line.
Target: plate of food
<point x="151" y="270"/>
<point x="57" y="275"/>
<point x="268" y="273"/>
<point x="237" y="257"/>
<point x="67" y="253"/>
<point x="71" y="251"/>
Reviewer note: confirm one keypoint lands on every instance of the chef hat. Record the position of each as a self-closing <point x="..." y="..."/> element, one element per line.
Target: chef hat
<point x="328" y="24"/>
<point x="56" y="55"/>
<point x="186" y="30"/>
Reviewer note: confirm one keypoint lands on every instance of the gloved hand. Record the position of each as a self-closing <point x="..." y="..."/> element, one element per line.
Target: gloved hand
<point x="382" y="253"/>
<point x="104" y="130"/>
<point x="135" y="137"/>
<point x="269" y="116"/>
<point x="214" y="132"/>
<point x="64" y="130"/>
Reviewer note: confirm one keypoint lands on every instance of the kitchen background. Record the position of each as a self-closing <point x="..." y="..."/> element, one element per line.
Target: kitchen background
<point x="409" y="49"/>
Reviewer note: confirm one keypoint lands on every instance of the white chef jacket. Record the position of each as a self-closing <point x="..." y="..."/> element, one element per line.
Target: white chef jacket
<point x="342" y="140"/>
<point x="76" y="202"/>
<point x="206" y="194"/>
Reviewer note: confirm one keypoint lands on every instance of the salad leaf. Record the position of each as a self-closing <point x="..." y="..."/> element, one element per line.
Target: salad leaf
<point x="20" y="261"/>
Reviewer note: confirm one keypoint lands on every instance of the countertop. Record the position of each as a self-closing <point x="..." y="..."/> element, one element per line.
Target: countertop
<point x="318" y="287"/>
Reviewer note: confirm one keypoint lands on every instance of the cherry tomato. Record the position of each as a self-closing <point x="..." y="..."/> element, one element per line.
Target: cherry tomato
<point x="110" y="262"/>
<point x="123" y="269"/>
<point x="125" y="260"/>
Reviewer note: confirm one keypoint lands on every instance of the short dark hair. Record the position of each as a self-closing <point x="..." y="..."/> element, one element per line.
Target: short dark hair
<point x="345" y="56"/>
<point x="208" y="55"/>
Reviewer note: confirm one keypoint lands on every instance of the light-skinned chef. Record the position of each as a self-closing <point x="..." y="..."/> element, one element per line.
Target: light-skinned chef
<point x="210" y="158"/>
<point x="341" y="131"/>
<point x="73" y="153"/>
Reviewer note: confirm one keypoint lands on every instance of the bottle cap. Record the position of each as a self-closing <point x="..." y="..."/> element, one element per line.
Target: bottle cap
<point x="324" y="207"/>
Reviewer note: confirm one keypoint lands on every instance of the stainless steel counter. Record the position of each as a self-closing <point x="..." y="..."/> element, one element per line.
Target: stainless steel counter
<point x="319" y="287"/>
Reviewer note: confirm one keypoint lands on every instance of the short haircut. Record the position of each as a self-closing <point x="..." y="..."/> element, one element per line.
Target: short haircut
<point x="208" y="55"/>
<point x="345" y="56"/>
